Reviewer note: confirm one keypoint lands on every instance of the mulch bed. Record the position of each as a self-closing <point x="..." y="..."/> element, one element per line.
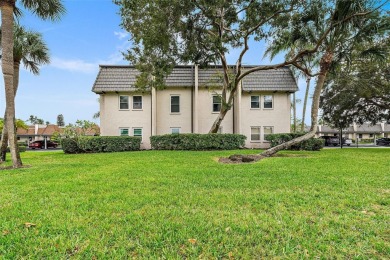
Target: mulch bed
<point x="240" y="158"/>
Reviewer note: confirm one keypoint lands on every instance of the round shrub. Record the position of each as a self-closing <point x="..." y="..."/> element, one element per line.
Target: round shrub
<point x="197" y="142"/>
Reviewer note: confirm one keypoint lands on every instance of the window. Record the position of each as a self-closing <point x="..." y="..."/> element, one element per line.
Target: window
<point x="137" y="102"/>
<point x="267" y="131"/>
<point x="137" y="132"/>
<point x="255" y="101"/>
<point x="175" y="130"/>
<point x="175" y="104"/>
<point x="255" y="133"/>
<point x="123" y="102"/>
<point x="360" y="136"/>
<point x="371" y="135"/>
<point x="123" y="131"/>
<point x="217" y="103"/>
<point x="268" y="101"/>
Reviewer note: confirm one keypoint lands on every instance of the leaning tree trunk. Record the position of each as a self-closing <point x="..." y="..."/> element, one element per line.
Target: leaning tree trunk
<point x="305" y="103"/>
<point x="7" y="43"/>
<point x="217" y="123"/>
<point x="324" y="68"/>
<point x="4" y="134"/>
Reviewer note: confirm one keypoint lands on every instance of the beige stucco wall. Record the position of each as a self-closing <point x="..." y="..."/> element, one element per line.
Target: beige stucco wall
<point x="112" y="118"/>
<point x="207" y="116"/>
<point x="167" y="120"/>
<point x="278" y="117"/>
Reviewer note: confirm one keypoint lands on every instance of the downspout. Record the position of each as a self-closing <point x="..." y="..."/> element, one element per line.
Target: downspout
<point x="192" y="100"/>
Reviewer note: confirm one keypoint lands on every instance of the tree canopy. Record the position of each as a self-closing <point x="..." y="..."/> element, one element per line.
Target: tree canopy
<point x="165" y="33"/>
<point x="359" y="91"/>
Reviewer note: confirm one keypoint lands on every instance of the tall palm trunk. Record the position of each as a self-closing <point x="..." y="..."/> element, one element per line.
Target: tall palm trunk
<point x="7" y="43"/>
<point x="4" y="134"/>
<point x="308" y="79"/>
<point x="325" y="62"/>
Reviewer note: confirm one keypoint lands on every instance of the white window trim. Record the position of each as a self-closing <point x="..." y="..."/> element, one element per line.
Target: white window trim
<point x="255" y="108"/>
<point x="170" y="104"/>
<point x="212" y="104"/>
<point x="176" y="128"/>
<point x="142" y="132"/>
<point x="250" y="134"/>
<point x="273" y="102"/>
<point x="119" y="103"/>
<point x="122" y="128"/>
<point x="142" y="103"/>
<point x="265" y="141"/>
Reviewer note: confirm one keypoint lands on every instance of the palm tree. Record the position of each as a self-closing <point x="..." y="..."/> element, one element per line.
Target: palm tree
<point x="337" y="35"/>
<point x="31" y="51"/>
<point x="45" y="9"/>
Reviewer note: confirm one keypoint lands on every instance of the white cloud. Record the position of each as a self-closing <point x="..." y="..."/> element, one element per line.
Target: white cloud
<point x="122" y="35"/>
<point x="75" y="65"/>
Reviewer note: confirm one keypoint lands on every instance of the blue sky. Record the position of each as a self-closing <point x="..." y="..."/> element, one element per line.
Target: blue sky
<point x="88" y="35"/>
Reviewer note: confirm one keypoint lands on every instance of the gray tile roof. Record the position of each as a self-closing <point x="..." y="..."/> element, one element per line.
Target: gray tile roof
<point x="328" y="129"/>
<point x="122" y="79"/>
<point x="367" y="128"/>
<point x="270" y="80"/>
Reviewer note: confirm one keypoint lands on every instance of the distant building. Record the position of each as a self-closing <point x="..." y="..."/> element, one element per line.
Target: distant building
<point x="41" y="132"/>
<point x="365" y="131"/>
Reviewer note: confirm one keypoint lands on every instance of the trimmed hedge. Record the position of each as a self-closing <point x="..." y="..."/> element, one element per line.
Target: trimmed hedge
<point x="100" y="144"/>
<point x="22" y="148"/>
<point x="197" y="142"/>
<point x="312" y="144"/>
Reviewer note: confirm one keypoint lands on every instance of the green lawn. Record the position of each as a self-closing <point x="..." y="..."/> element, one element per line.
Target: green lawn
<point x="167" y="204"/>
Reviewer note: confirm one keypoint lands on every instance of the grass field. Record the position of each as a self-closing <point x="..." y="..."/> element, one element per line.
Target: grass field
<point x="167" y="204"/>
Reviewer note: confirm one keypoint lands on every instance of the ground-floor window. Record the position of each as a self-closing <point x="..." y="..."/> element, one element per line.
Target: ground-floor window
<point x="175" y="130"/>
<point x="123" y="131"/>
<point x="267" y="131"/>
<point x="137" y="132"/>
<point x="255" y="133"/>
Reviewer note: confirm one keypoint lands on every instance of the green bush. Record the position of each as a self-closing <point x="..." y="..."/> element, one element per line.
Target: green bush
<point x="70" y="145"/>
<point x="197" y="142"/>
<point x="22" y="148"/>
<point x="100" y="144"/>
<point x="312" y="144"/>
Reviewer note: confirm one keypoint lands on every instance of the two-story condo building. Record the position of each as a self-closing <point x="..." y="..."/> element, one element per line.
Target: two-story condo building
<point x="190" y="103"/>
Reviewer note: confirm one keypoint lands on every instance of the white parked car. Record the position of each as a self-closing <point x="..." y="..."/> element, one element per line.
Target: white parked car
<point x="347" y="142"/>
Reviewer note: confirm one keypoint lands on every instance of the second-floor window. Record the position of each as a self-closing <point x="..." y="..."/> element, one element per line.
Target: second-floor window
<point x="137" y="102"/>
<point x="255" y="101"/>
<point x="175" y="104"/>
<point x="268" y="101"/>
<point x="217" y="103"/>
<point x="124" y="102"/>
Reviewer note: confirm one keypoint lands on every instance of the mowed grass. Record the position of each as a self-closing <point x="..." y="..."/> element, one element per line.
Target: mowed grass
<point x="178" y="204"/>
